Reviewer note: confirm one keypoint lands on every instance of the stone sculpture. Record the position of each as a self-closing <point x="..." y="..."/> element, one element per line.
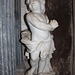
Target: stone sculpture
<point x="39" y="40"/>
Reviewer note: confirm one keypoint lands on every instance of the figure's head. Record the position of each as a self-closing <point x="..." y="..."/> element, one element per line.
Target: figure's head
<point x="35" y="5"/>
<point x="42" y="6"/>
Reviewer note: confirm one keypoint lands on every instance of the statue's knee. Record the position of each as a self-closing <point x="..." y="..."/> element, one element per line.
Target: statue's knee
<point x="34" y="58"/>
<point x="43" y="58"/>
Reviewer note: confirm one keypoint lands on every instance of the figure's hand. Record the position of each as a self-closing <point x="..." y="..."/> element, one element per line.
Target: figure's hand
<point x="54" y="23"/>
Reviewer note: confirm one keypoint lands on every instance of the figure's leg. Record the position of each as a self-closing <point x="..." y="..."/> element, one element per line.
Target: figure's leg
<point x="48" y="68"/>
<point x="49" y="63"/>
<point x="42" y="64"/>
<point x="34" y="62"/>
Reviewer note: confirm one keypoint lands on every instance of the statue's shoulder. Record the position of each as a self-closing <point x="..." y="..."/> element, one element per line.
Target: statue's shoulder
<point x="29" y="15"/>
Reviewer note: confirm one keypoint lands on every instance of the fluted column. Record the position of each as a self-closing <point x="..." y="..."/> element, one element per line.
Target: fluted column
<point x="10" y="49"/>
<point x="17" y="32"/>
<point x="0" y="40"/>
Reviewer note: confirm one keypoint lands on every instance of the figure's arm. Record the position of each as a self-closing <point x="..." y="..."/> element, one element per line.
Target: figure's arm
<point x="53" y="23"/>
<point x="47" y="19"/>
<point x="39" y="24"/>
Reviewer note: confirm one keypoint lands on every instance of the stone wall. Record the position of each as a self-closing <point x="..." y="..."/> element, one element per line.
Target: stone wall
<point x="23" y="11"/>
<point x="73" y="20"/>
<point x="61" y="11"/>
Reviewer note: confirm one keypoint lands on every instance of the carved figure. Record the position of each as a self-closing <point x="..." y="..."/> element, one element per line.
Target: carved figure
<point x="41" y="45"/>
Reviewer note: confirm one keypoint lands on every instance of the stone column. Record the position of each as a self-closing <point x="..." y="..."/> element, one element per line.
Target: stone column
<point x="0" y="41"/>
<point x="17" y="31"/>
<point x="9" y="28"/>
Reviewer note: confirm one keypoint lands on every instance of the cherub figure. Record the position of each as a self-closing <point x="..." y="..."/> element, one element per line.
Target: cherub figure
<point x="41" y="45"/>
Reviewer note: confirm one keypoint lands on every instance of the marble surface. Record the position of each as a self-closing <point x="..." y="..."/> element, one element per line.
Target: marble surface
<point x="40" y="46"/>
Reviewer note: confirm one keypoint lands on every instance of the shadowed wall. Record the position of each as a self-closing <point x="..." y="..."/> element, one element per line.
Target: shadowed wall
<point x="61" y="11"/>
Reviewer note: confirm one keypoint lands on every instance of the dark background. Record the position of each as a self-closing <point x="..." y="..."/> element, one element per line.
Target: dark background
<point x="60" y="10"/>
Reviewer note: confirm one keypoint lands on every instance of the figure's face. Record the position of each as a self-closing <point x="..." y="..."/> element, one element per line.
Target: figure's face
<point x="35" y="5"/>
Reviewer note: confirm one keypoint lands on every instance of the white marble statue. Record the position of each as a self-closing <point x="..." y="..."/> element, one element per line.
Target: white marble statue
<point x="41" y="45"/>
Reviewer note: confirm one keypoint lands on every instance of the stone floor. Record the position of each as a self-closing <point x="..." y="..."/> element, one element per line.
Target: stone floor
<point x="20" y="71"/>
